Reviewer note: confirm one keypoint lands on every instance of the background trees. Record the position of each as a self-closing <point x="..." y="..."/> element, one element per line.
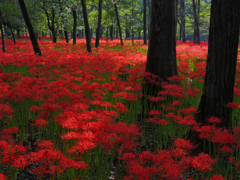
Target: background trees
<point x="57" y="17"/>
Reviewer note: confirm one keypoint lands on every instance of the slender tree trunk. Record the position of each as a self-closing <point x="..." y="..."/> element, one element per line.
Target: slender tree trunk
<point x="66" y="36"/>
<point x="219" y="79"/>
<point x="132" y="25"/>
<point x="118" y="22"/>
<point x="183" y="20"/>
<point x="30" y="28"/>
<point x="18" y="33"/>
<point x="149" y="15"/>
<point x="161" y="57"/>
<point x="74" y="25"/>
<point x="144" y="22"/>
<point x="139" y="34"/>
<point x="87" y="29"/>
<point x="10" y="27"/>
<point x="196" y="38"/>
<point x="111" y="32"/>
<point x="117" y="33"/>
<point x="99" y="23"/>
<point x="107" y="34"/>
<point x="176" y="14"/>
<point x="1" y="22"/>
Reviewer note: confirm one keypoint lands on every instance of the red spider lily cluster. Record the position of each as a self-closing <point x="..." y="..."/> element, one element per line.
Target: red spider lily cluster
<point x="84" y="96"/>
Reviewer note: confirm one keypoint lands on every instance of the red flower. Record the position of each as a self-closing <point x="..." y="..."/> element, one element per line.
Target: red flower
<point x="41" y="122"/>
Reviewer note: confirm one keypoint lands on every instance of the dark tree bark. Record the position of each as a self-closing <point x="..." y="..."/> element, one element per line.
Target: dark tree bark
<point x="149" y="15"/>
<point x="107" y="34"/>
<point x="1" y="22"/>
<point x="118" y="22"/>
<point x="176" y="14"/>
<point x="111" y="32"/>
<point x="183" y="20"/>
<point x="161" y="58"/>
<point x="10" y="27"/>
<point x="221" y="62"/>
<point x="30" y="28"/>
<point x="66" y="36"/>
<point x="196" y="35"/>
<point x="87" y="29"/>
<point x="18" y="33"/>
<point x="99" y="23"/>
<point x="144" y="22"/>
<point x="52" y="25"/>
<point x="117" y="33"/>
<point x="139" y="34"/>
<point x="74" y="25"/>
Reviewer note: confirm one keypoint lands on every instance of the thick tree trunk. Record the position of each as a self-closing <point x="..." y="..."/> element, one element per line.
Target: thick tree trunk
<point x="74" y="25"/>
<point x="1" y="22"/>
<point x="221" y="62"/>
<point x="118" y="22"/>
<point x="99" y="23"/>
<point x="30" y="28"/>
<point x="144" y="22"/>
<point x="161" y="57"/>
<point x="183" y="21"/>
<point x="87" y="29"/>
<point x="196" y="36"/>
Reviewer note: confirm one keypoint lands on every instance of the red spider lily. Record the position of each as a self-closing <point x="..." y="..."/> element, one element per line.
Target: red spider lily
<point x="232" y="105"/>
<point x="41" y="122"/>
<point x="217" y="177"/>
<point x="203" y="162"/>
<point x="2" y="177"/>
<point x="225" y="150"/>
<point x="214" y="120"/>
<point x="121" y="108"/>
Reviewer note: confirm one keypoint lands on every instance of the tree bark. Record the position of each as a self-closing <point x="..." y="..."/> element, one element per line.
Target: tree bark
<point x="87" y="29"/>
<point x="161" y="57"/>
<point x="219" y="79"/>
<point x="183" y="21"/>
<point x="30" y="28"/>
<point x="1" y="22"/>
<point x="196" y="35"/>
<point x="176" y="14"/>
<point x="99" y="23"/>
<point x="74" y="25"/>
<point x="107" y="34"/>
<point x="144" y="22"/>
<point x="10" y="27"/>
<point x="111" y="32"/>
<point x="66" y="36"/>
<point x="118" y="22"/>
<point x="18" y="33"/>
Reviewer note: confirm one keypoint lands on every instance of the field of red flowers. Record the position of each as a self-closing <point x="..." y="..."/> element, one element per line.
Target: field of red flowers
<point x="70" y="114"/>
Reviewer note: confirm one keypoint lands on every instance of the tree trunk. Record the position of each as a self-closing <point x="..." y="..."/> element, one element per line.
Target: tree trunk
<point x="10" y="27"/>
<point x="66" y="36"/>
<point x="74" y="25"/>
<point x="18" y="33"/>
<point x="144" y="22"/>
<point x="1" y="22"/>
<point x="107" y="34"/>
<point x="30" y="28"/>
<point x="176" y="14"/>
<point x="183" y="20"/>
<point x="99" y="23"/>
<point x="161" y="57"/>
<point x="111" y="32"/>
<point x="118" y="22"/>
<point x="196" y="36"/>
<point x="221" y="62"/>
<point x="149" y="15"/>
<point x="139" y="34"/>
<point x="87" y="29"/>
